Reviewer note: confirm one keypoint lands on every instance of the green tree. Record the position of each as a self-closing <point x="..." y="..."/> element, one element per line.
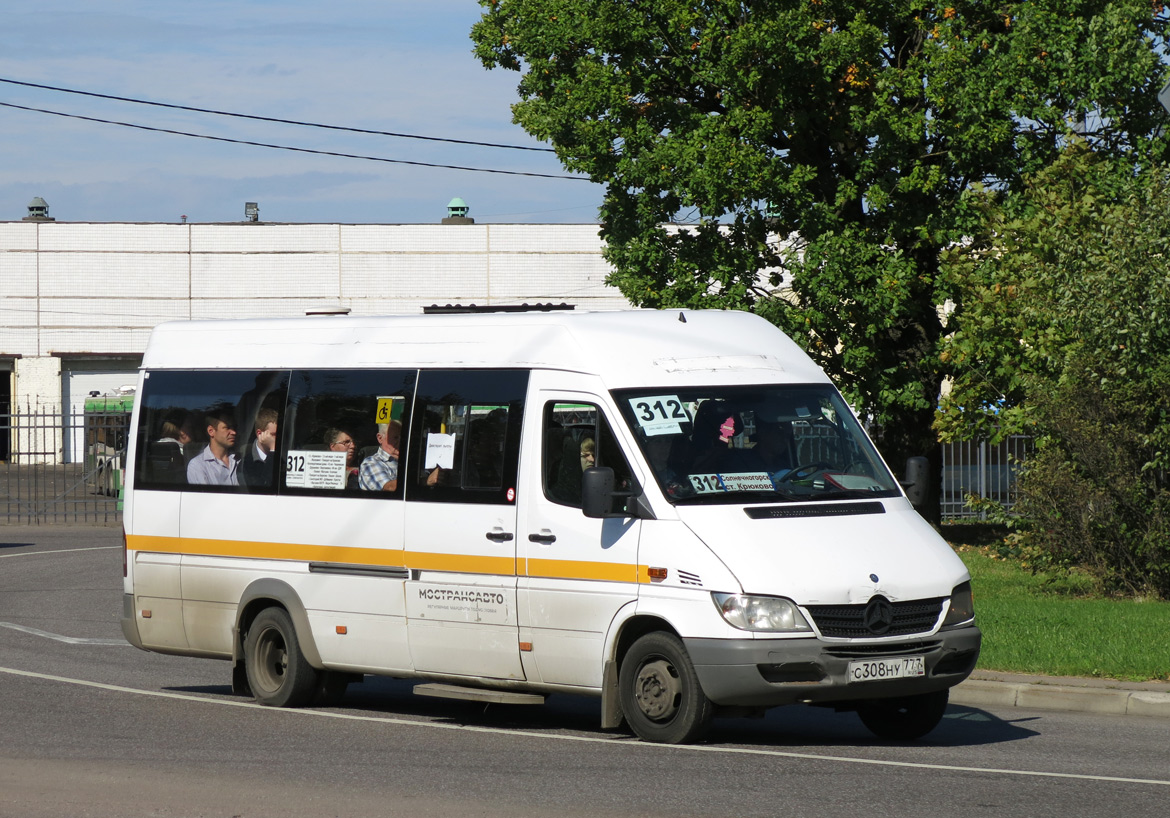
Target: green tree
<point x="822" y="152"/>
<point x="1066" y="335"/>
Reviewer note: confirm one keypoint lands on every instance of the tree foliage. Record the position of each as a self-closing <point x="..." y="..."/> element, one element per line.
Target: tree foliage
<point x="831" y="144"/>
<point x="1066" y="334"/>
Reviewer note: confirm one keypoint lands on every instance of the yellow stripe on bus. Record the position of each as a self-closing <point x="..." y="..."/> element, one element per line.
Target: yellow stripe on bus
<point x="381" y="557"/>
<point x="579" y="569"/>
<point x="265" y="550"/>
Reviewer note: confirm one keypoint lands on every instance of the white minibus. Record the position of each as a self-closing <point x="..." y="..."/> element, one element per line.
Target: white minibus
<point x="675" y="512"/>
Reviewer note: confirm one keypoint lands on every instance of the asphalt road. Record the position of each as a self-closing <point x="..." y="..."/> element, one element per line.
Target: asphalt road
<point x="89" y="726"/>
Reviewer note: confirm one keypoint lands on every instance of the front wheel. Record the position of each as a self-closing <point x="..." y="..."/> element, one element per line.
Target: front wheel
<point x="660" y="693"/>
<point x="278" y="672"/>
<point x="906" y="718"/>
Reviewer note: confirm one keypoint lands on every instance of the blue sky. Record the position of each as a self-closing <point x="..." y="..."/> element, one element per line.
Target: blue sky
<point x="384" y="65"/>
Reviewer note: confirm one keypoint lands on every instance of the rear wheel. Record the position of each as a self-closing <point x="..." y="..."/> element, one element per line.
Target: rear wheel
<point x="906" y="718"/>
<point x="278" y="672"/>
<point x="660" y="693"/>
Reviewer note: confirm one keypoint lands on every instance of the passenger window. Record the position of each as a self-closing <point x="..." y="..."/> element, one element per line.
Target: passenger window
<point x="210" y="431"/>
<point x="465" y="442"/>
<point x="576" y="437"/>
<point x="345" y="431"/>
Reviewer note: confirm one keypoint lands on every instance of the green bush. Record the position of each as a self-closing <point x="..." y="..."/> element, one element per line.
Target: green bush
<point x="1093" y="494"/>
<point x="1065" y="336"/>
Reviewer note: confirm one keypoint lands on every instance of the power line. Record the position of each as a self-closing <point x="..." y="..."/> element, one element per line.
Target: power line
<point x="274" y="119"/>
<point x="291" y="148"/>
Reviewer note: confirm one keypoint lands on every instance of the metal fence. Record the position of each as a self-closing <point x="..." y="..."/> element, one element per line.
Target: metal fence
<point x="982" y="469"/>
<point x="39" y="484"/>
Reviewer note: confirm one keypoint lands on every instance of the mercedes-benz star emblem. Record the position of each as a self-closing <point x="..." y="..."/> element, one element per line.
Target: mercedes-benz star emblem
<point x="873" y="578"/>
<point x="879" y="616"/>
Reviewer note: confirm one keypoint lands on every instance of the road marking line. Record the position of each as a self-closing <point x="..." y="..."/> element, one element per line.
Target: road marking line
<point x="69" y="640"/>
<point x="61" y="551"/>
<point x="588" y="739"/>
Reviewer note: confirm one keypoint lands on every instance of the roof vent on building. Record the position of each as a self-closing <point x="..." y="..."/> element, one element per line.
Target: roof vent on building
<point x="251" y="212"/>
<point x="38" y="211"/>
<point x="327" y="311"/>
<point x="457" y="212"/>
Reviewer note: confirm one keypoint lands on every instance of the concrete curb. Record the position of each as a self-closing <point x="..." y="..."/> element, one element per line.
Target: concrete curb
<point x="986" y="689"/>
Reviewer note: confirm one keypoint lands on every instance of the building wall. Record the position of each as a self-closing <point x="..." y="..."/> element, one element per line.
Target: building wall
<point x="72" y="292"/>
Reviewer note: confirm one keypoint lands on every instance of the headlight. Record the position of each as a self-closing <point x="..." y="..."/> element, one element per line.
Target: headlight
<point x="962" y="608"/>
<point x="760" y="613"/>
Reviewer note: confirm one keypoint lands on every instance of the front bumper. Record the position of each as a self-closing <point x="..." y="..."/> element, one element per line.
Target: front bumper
<point x="769" y="672"/>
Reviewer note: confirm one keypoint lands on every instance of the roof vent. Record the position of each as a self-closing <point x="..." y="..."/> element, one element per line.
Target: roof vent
<point x="457" y="212"/>
<point x="458" y="309"/>
<point x="38" y="211"/>
<point x="251" y="212"/>
<point x="327" y="311"/>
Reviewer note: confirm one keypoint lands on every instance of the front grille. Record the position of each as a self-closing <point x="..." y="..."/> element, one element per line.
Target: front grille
<point x="848" y="621"/>
<point x="885" y="649"/>
<point x="792" y="673"/>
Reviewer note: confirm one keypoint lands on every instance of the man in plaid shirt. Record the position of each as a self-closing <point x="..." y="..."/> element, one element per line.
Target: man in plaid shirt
<point x="379" y="471"/>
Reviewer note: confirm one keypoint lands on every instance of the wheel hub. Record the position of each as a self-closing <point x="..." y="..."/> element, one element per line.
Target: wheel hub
<point x="658" y="690"/>
<point x="273" y="662"/>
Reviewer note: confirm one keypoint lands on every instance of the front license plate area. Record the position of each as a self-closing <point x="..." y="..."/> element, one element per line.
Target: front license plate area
<point x="880" y="670"/>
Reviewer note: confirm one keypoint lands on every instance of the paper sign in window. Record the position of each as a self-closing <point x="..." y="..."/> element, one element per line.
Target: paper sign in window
<point x="660" y="414"/>
<point x="306" y="469"/>
<point x="440" y="451"/>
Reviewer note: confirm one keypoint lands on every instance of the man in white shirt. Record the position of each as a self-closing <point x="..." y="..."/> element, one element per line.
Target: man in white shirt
<point x="216" y="465"/>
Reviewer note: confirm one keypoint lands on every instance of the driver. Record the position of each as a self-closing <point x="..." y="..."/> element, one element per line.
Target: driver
<point x="775" y="449"/>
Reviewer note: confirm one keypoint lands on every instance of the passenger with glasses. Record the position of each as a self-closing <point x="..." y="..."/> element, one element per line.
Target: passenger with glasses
<point x="337" y="440"/>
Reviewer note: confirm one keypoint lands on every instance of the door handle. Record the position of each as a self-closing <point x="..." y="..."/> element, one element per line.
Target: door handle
<point x="545" y="537"/>
<point x="499" y="536"/>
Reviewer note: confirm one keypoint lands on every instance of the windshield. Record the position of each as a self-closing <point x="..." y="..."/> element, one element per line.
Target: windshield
<point x="743" y="444"/>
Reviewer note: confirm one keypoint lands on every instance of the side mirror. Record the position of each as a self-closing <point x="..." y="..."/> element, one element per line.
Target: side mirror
<point x="917" y="480"/>
<point x="597" y="491"/>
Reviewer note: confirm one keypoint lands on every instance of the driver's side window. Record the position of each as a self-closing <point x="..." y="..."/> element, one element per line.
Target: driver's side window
<point x="577" y="436"/>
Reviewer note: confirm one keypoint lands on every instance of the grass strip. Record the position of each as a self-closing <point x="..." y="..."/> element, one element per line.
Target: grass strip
<point x="1042" y="624"/>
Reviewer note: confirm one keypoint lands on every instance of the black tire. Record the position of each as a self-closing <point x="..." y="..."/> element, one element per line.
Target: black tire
<point x="278" y="672"/>
<point x="906" y="718"/>
<point x="660" y="693"/>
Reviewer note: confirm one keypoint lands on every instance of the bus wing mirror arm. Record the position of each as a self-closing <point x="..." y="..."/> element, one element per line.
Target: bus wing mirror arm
<point x="917" y="480"/>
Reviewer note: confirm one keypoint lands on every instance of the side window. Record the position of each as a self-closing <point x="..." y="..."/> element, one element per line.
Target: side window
<point x="577" y="436"/>
<point x="465" y="440"/>
<point x="210" y="431"/>
<point x="344" y="431"/>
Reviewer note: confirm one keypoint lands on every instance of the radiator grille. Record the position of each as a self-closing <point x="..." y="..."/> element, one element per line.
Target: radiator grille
<point x="848" y="621"/>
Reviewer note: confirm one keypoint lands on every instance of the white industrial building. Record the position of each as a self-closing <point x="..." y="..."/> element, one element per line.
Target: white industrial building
<point x="78" y="300"/>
